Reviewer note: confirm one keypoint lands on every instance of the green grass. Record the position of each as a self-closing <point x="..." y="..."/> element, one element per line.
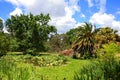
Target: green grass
<point x="61" y="72"/>
<point x="64" y="71"/>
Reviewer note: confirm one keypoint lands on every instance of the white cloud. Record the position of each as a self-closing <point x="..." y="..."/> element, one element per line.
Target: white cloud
<point x="118" y="12"/>
<point x="74" y="5"/>
<point x="61" y="11"/>
<point x="64" y="23"/>
<point x="116" y="25"/>
<point x="82" y="15"/>
<point x="105" y="20"/>
<point x="100" y="4"/>
<point x="90" y="3"/>
<point x="55" y="8"/>
<point x="21" y="2"/>
<point x="17" y="11"/>
<point x="102" y="19"/>
<point x="14" y="2"/>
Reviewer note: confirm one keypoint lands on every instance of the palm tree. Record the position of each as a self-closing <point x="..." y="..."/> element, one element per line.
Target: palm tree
<point x="84" y="43"/>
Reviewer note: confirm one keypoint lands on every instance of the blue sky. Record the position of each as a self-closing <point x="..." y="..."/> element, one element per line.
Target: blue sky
<point x="67" y="14"/>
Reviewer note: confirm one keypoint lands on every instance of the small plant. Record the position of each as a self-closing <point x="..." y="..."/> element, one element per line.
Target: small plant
<point x="47" y="61"/>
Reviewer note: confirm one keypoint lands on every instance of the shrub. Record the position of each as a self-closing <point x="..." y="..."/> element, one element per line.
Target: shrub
<point x="14" y="45"/>
<point x="4" y="44"/>
<point x="89" y="72"/>
<point x="106" y="68"/>
<point x="110" y="48"/>
<point x="47" y="61"/>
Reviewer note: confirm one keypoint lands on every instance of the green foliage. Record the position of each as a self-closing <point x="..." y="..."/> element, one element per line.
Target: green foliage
<point x="105" y="36"/>
<point x="16" y="68"/>
<point x="58" y="42"/>
<point x="89" y="72"/>
<point x="4" y="44"/>
<point x="105" y="68"/>
<point x="14" y="45"/>
<point x="86" y="39"/>
<point x="10" y="71"/>
<point x="86" y="56"/>
<point x="84" y="43"/>
<point x="72" y="34"/>
<point x="31" y="32"/>
<point x="110" y="67"/>
<point x="62" y="72"/>
<point x="110" y="48"/>
<point x="41" y="61"/>
<point x="46" y="60"/>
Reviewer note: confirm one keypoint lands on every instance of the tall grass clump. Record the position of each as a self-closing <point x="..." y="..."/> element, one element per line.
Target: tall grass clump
<point x="10" y="71"/>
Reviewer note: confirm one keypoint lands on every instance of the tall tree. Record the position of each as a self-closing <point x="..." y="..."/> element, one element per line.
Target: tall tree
<point x="84" y="43"/>
<point x="31" y="31"/>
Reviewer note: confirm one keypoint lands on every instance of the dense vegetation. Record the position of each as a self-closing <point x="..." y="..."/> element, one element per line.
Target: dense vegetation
<point x="30" y="32"/>
<point x="106" y="67"/>
<point x="4" y="44"/>
<point x="33" y="50"/>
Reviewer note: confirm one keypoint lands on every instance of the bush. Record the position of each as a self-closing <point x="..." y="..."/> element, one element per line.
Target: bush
<point x="4" y="44"/>
<point x="106" y="68"/>
<point x="47" y="60"/>
<point x="110" y="48"/>
<point x="32" y="52"/>
<point x="14" y="45"/>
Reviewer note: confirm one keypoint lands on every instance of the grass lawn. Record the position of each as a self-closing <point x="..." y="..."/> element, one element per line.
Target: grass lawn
<point x="61" y="72"/>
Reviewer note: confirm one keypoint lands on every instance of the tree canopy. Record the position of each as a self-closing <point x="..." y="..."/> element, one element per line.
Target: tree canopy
<point x="30" y="31"/>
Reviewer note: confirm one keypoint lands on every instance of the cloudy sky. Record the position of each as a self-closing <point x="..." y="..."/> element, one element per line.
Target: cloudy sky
<point x="67" y="14"/>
